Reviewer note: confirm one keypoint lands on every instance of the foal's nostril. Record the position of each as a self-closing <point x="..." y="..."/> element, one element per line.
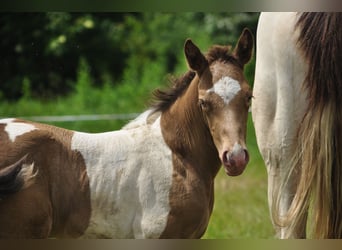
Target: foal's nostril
<point x="225" y="157"/>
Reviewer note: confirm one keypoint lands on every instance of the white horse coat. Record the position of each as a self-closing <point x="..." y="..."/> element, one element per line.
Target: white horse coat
<point x="279" y="101"/>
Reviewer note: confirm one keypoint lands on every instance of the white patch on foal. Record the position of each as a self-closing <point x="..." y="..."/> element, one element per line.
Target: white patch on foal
<point x="226" y="88"/>
<point x="15" y="129"/>
<point x="130" y="174"/>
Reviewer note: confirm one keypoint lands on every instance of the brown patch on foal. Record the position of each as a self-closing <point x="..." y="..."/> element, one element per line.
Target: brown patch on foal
<point x="57" y="202"/>
<point x="191" y="196"/>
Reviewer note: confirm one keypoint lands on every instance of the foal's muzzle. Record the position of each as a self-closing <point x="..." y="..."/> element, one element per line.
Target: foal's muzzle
<point x="235" y="161"/>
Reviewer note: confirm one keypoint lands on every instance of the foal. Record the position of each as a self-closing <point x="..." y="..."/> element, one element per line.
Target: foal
<point x="152" y="179"/>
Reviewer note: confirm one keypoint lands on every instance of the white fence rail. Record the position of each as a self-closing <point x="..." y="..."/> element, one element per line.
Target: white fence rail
<point x="73" y="118"/>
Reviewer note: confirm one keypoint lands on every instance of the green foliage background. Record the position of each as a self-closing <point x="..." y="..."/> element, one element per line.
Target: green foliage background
<point x="40" y="52"/>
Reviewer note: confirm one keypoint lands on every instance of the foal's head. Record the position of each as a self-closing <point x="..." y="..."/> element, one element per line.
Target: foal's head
<point x="224" y="98"/>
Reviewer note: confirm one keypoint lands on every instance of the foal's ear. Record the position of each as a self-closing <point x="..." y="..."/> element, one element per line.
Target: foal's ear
<point x="194" y="57"/>
<point x="244" y="47"/>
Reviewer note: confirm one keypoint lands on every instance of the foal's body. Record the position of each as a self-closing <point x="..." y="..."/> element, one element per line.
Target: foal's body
<point x="152" y="179"/>
<point x="128" y="195"/>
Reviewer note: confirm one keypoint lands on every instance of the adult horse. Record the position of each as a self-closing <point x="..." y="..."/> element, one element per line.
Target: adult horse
<point x="152" y="179"/>
<point x="298" y="120"/>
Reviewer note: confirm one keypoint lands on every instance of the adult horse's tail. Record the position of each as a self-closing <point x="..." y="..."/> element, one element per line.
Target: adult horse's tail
<point x="318" y="156"/>
<point x="15" y="177"/>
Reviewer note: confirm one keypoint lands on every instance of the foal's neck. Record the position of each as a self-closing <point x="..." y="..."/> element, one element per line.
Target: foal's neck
<point x="185" y="131"/>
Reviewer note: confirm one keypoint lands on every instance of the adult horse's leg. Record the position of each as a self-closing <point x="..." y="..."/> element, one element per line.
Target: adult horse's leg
<point x="277" y="110"/>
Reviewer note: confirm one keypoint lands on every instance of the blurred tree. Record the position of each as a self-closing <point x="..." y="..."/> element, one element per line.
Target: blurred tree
<point x="45" y="48"/>
<point x="40" y="52"/>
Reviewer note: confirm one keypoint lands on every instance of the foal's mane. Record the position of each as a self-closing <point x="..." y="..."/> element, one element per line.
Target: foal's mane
<point x="165" y="98"/>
